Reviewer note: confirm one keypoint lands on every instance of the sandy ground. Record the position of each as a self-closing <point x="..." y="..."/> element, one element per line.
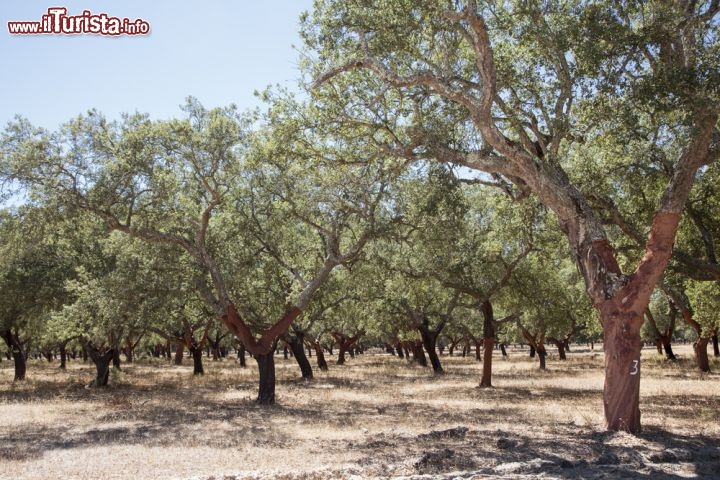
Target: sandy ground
<point x="376" y="417"/>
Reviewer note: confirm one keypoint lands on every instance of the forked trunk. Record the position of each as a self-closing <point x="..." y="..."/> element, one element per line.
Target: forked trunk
<point x="266" y="368"/>
<point x="197" y="355"/>
<point x="429" y="341"/>
<point x="700" y="347"/>
<point x="102" y="360"/>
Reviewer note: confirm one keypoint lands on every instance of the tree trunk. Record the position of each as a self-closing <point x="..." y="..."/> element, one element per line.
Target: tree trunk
<point x="297" y="345"/>
<point x="241" y="355"/>
<point x="63" y="356"/>
<point x="15" y="346"/>
<point x="486" y="379"/>
<point x="621" y="392"/>
<point x="716" y="347"/>
<point x="503" y="350"/>
<point x="700" y="347"/>
<point x="418" y="353"/>
<point x="102" y="363"/>
<point x="102" y="367"/>
<point x="116" y="358"/>
<point x="429" y="340"/>
<point x="179" y="352"/>
<point x="532" y="351"/>
<point x="341" y="355"/>
<point x="542" y="353"/>
<point x="320" y="355"/>
<point x="667" y="346"/>
<point x="488" y="342"/>
<point x="266" y="367"/>
<point x="197" y="355"/>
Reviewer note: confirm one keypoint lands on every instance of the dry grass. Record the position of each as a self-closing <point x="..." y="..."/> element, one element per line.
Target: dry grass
<point x="374" y="417"/>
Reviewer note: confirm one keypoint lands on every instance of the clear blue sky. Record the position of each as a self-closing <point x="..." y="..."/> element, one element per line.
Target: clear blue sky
<point x="219" y="51"/>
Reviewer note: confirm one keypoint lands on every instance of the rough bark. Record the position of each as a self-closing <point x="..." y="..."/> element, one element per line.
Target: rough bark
<point x="196" y="350"/>
<point x="266" y="385"/>
<point x="681" y="302"/>
<point x="101" y="357"/>
<point x="179" y="352"/>
<point x="418" y="352"/>
<point x="542" y="354"/>
<point x="297" y="345"/>
<point x="700" y="348"/>
<point x="560" y="345"/>
<point x="63" y="356"/>
<point x="488" y="342"/>
<point x="241" y="355"/>
<point x="345" y="344"/>
<point x="429" y="340"/>
<point x="16" y="349"/>
<point x="621" y="392"/>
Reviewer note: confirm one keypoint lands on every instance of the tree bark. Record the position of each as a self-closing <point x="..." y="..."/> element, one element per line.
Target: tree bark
<point x="503" y="350"/>
<point x="266" y="387"/>
<point x="241" y="355"/>
<point x="15" y="346"/>
<point x="197" y="354"/>
<point x="700" y="348"/>
<point x="101" y="358"/>
<point x="488" y="342"/>
<point x="429" y="341"/>
<point x="63" y="356"/>
<point x="542" y="353"/>
<point x="716" y="347"/>
<point x="621" y="392"/>
<point x="179" y="352"/>
<point x="116" y="358"/>
<point x="418" y="353"/>
<point x="297" y="345"/>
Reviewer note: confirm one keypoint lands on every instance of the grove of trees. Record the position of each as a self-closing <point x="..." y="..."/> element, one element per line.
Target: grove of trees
<point x="451" y="172"/>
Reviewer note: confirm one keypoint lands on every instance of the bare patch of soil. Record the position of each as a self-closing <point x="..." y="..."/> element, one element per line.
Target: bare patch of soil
<point x="375" y="417"/>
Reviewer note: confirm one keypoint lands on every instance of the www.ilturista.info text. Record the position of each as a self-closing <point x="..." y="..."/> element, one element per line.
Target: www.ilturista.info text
<point x="57" y="21"/>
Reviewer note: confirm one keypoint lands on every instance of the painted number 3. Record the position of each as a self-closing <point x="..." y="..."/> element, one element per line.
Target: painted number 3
<point x="635" y="369"/>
